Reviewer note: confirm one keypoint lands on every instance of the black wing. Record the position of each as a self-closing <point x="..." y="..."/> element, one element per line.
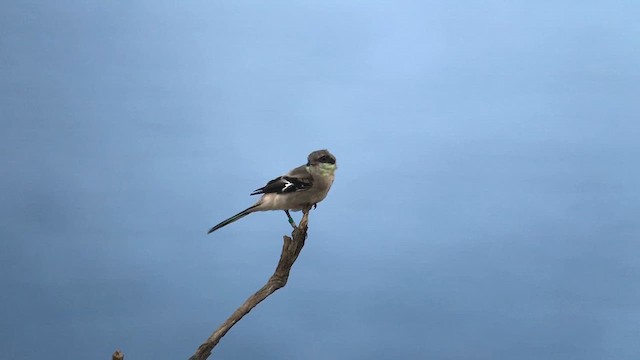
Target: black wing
<point x="285" y="184"/>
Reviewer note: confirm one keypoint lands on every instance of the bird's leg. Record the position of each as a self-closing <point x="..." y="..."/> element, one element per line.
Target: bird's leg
<point x="293" y="223"/>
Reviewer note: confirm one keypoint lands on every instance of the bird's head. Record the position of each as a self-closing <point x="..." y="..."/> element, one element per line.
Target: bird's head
<point x="323" y="160"/>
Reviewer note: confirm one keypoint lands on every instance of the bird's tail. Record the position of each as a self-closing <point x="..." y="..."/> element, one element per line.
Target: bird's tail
<point x="235" y="217"/>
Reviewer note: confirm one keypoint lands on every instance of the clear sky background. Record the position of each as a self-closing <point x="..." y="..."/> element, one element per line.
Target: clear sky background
<point x="486" y="203"/>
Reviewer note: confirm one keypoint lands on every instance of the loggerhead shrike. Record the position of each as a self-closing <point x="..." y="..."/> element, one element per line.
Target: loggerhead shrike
<point x="303" y="186"/>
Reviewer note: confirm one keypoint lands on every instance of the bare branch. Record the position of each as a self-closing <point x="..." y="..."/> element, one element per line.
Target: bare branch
<point x="290" y="251"/>
<point x="117" y="355"/>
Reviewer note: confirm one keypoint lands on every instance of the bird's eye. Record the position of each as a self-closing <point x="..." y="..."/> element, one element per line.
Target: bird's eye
<point x="324" y="158"/>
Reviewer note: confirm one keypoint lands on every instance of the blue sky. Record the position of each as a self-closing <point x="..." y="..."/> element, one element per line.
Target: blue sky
<point x="485" y="207"/>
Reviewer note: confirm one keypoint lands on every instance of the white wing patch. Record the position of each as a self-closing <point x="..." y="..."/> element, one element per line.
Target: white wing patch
<point x="287" y="183"/>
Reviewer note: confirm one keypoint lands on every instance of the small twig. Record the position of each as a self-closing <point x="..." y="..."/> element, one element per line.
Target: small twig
<point x="290" y="251"/>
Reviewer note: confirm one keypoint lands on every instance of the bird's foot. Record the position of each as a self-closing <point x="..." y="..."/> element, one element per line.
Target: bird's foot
<point x="291" y="221"/>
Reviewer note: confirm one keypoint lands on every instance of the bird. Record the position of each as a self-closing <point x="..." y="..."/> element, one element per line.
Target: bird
<point x="301" y="187"/>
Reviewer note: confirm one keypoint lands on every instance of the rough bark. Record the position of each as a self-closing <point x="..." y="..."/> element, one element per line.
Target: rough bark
<point x="290" y="251"/>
